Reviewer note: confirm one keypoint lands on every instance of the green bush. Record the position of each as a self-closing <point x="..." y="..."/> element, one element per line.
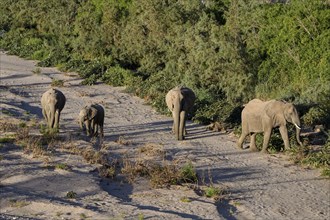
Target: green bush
<point x="116" y="76"/>
<point x="316" y="115"/>
<point x="188" y="173"/>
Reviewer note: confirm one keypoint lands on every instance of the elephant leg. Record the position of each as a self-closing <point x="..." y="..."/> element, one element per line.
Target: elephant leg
<point x="267" y="134"/>
<point x="101" y="130"/>
<point x="285" y="137"/>
<point x="51" y="118"/>
<point x="96" y="129"/>
<point x="45" y="115"/>
<point x="57" y="119"/>
<point x="182" y="125"/>
<point x="88" y="127"/>
<point x="253" y="146"/>
<point x="241" y="139"/>
<point x="93" y="128"/>
<point x="85" y="126"/>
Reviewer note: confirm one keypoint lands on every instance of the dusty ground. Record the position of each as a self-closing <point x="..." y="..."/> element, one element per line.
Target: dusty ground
<point x="258" y="186"/>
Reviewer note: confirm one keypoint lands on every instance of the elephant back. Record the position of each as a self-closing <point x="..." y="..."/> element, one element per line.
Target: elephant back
<point x="254" y="106"/>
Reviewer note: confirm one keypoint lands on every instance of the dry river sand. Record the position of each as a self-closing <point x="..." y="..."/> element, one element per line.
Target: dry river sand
<point x="258" y="186"/>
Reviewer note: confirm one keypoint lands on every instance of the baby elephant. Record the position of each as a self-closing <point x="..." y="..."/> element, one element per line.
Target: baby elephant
<point x="93" y="118"/>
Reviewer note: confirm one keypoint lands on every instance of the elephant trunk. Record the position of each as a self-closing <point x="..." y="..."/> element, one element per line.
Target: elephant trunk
<point x="81" y="124"/>
<point x="52" y="117"/>
<point x="298" y="129"/>
<point x="182" y="125"/>
<point x="176" y="118"/>
<point x="88" y="127"/>
<point x="296" y="123"/>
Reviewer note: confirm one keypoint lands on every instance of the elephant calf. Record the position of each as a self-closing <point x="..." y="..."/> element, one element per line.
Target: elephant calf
<point x="259" y="116"/>
<point x="180" y="100"/>
<point x="92" y="117"/>
<point x="52" y="103"/>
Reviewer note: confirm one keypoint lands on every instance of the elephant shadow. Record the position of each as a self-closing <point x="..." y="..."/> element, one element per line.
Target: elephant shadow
<point x="196" y="131"/>
<point x="26" y="107"/>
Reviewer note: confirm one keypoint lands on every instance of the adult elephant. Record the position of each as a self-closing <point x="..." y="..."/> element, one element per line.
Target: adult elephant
<point x="259" y="116"/>
<point x="92" y="117"/>
<point x="52" y="103"/>
<point x="180" y="100"/>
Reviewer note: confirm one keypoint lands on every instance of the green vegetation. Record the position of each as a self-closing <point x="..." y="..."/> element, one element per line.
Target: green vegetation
<point x="62" y="166"/>
<point x="36" y="71"/>
<point x="315" y="158"/>
<point x="227" y="51"/>
<point x="57" y="82"/>
<point x="7" y="139"/>
<point x="185" y="199"/>
<point x="213" y="192"/>
<point x="18" y="203"/>
<point x="71" y="195"/>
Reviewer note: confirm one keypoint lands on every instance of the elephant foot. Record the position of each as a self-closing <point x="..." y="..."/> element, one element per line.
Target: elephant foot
<point x="253" y="149"/>
<point x="264" y="151"/>
<point x="239" y="147"/>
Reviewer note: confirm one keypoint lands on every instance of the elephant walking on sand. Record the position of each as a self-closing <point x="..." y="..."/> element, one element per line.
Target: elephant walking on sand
<point x="52" y="103"/>
<point x="259" y="116"/>
<point x="91" y="118"/>
<point x="180" y="100"/>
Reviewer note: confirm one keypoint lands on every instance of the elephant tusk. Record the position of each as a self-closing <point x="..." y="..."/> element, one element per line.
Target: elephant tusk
<point x="297" y="126"/>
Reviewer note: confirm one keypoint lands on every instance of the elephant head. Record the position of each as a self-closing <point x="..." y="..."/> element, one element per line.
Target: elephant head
<point x="86" y="115"/>
<point x="179" y="101"/>
<point x="291" y="115"/>
<point x="281" y="112"/>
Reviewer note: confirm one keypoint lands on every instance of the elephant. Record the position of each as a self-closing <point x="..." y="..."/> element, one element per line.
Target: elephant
<point x="92" y="116"/>
<point x="52" y="103"/>
<point x="180" y="100"/>
<point x="259" y="116"/>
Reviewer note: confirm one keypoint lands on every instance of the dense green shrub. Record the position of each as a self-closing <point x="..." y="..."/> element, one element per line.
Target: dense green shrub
<point x="117" y="76"/>
<point x="316" y="115"/>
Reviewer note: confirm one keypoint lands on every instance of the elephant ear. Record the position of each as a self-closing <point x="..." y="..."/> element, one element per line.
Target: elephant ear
<point x="92" y="113"/>
<point x="289" y="110"/>
<point x="274" y="110"/>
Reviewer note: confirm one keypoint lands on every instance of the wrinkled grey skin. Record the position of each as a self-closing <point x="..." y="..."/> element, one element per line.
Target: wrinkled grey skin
<point x="262" y="117"/>
<point x="91" y="119"/>
<point x="180" y="100"/>
<point x="52" y="103"/>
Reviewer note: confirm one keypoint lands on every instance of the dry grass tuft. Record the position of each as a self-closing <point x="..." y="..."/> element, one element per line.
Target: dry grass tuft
<point x="134" y="168"/>
<point x="165" y="174"/>
<point x="107" y="171"/>
<point x="83" y="93"/>
<point x="152" y="149"/>
<point x="8" y="127"/>
<point x="122" y="141"/>
<point x="94" y="157"/>
<point x="159" y="174"/>
<point x="18" y="203"/>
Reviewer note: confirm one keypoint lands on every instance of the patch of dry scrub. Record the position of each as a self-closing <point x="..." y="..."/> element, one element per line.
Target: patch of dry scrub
<point x="151" y="164"/>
